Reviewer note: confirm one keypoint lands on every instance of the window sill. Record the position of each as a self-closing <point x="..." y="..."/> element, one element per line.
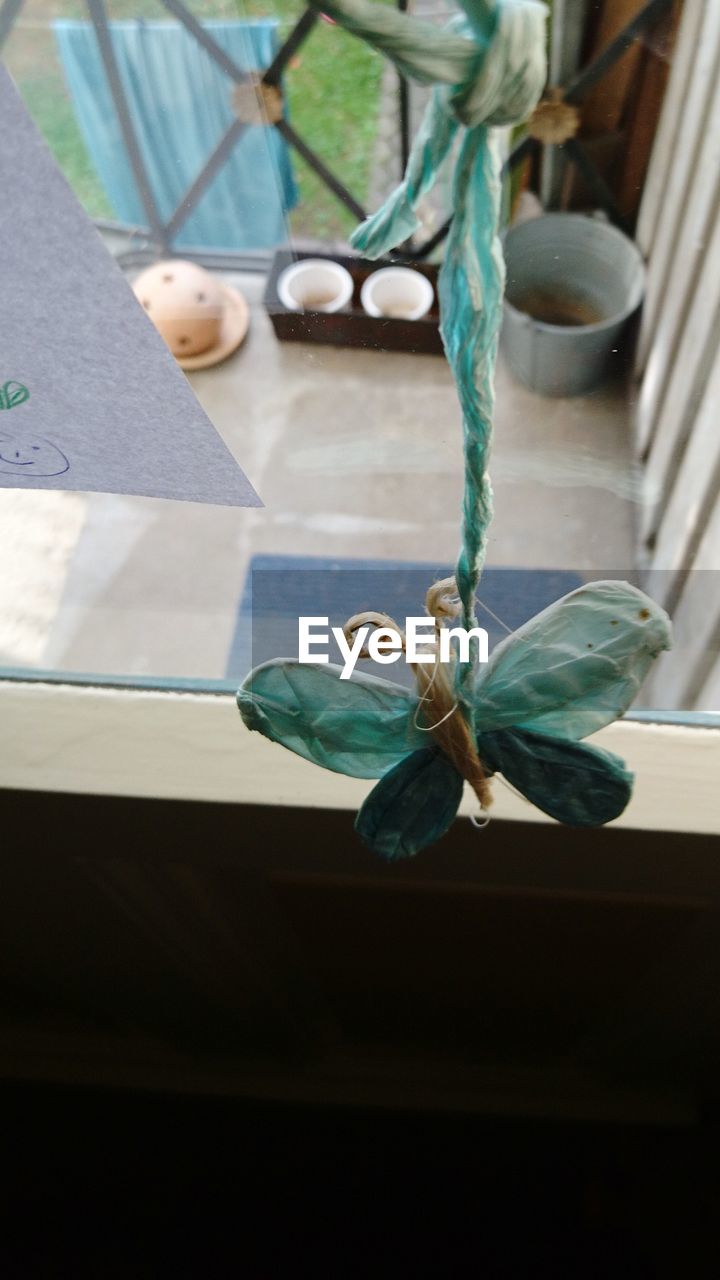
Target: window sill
<point x="93" y="740"/>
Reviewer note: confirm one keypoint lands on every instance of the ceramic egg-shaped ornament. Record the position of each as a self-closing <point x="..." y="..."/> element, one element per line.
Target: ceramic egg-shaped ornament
<point x="199" y="317"/>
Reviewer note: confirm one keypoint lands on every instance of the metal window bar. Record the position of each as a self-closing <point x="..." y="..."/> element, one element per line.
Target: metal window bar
<point x="575" y="92"/>
<point x="9" y="11"/>
<point x="99" y="19"/>
<point x="162" y="233"/>
<point x="404" y="103"/>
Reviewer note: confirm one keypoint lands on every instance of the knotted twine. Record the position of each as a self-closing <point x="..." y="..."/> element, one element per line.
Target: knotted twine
<point x="447" y="725"/>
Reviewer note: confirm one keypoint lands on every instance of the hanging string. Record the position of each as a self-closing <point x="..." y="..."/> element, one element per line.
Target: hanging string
<point x="495" y="618"/>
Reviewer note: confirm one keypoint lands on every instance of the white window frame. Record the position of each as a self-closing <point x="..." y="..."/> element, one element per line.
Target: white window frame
<point x="86" y="738"/>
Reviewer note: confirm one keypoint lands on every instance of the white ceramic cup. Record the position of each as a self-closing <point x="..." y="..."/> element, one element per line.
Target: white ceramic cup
<point x="397" y="292"/>
<point x="315" y="284"/>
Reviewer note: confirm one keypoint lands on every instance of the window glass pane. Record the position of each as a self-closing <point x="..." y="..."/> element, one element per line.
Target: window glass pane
<point x="605" y="460"/>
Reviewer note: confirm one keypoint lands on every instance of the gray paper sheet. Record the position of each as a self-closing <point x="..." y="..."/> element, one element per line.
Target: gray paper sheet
<point x="90" y="396"/>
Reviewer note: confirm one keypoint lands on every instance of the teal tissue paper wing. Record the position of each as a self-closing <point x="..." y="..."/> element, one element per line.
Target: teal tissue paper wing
<point x="396" y="220"/>
<point x="412" y="806"/>
<point x="577" y="784"/>
<point x="420" y="50"/>
<point x="361" y="727"/>
<point x="576" y="666"/>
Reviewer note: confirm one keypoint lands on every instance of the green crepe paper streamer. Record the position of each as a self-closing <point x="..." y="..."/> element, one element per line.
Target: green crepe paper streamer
<point x="498" y="81"/>
<point x="420" y="50"/>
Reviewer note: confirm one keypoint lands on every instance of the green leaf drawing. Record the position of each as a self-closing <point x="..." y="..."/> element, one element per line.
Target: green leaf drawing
<point x="12" y="394"/>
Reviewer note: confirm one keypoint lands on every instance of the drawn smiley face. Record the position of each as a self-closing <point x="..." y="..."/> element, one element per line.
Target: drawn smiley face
<point x="28" y="457"/>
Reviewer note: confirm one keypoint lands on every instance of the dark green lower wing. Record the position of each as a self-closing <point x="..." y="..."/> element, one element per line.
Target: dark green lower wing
<point x="580" y="785"/>
<point x="411" y="806"/>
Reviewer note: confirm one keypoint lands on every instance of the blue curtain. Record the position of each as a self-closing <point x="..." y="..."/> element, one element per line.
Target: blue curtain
<point x="180" y="104"/>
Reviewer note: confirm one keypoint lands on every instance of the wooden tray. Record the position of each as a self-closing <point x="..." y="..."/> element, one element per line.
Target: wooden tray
<point x="352" y="327"/>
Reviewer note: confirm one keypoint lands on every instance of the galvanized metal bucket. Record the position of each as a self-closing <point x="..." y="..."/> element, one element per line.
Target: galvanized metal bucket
<point x="573" y="284"/>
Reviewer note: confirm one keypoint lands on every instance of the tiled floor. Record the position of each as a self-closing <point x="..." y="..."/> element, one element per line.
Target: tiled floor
<point x="354" y="454"/>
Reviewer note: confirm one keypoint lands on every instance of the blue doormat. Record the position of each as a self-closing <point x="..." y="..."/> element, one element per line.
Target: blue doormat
<point x="280" y="589"/>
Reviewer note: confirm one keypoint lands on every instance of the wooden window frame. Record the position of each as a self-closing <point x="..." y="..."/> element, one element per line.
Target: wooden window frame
<point x="189" y="743"/>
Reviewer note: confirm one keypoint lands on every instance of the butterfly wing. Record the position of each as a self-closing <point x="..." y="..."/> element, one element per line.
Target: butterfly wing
<point x="579" y="785"/>
<point x="576" y="666"/>
<point x="361" y="727"/>
<point x="412" y="805"/>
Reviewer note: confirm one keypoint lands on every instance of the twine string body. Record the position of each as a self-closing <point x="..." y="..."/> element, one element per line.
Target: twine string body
<point x="444" y="713"/>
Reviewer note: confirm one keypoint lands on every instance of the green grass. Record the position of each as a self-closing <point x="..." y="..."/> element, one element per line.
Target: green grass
<point x="51" y="109"/>
<point x="333" y="93"/>
<point x="332" y="86"/>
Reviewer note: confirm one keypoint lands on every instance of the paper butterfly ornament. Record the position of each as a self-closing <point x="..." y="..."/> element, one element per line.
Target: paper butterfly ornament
<point x="579" y="664"/>
<point x="569" y="671"/>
